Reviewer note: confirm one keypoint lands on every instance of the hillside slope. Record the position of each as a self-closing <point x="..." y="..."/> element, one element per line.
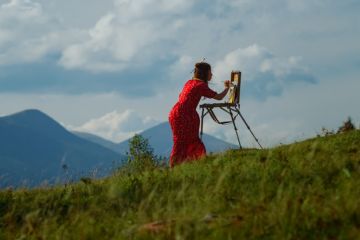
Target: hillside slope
<point x="306" y="190"/>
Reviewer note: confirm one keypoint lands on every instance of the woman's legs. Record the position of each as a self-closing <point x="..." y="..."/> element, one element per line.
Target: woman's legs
<point x="187" y="145"/>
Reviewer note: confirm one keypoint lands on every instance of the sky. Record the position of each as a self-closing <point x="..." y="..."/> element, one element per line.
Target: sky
<point x="116" y="67"/>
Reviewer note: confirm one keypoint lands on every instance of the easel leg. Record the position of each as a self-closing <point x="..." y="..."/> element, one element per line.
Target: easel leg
<point x="201" y="123"/>
<point x="233" y="121"/>
<point x="248" y="127"/>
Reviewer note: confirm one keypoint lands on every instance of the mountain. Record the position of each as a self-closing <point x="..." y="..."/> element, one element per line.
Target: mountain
<point x="160" y="138"/>
<point x="99" y="140"/>
<point x="35" y="148"/>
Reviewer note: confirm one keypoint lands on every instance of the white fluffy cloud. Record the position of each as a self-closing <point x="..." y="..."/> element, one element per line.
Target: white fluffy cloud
<point x="108" y="48"/>
<point x="266" y="73"/>
<point x="22" y="10"/>
<point x="131" y="34"/>
<point x="117" y="126"/>
<point x="134" y="33"/>
<point x="22" y="20"/>
<point x="28" y="33"/>
<point x="129" y="11"/>
<point x="256" y="59"/>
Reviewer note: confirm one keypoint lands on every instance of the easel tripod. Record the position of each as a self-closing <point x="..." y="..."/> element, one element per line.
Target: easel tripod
<point x="232" y="107"/>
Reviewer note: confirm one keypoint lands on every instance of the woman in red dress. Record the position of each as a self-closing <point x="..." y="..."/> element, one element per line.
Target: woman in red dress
<point x="185" y="121"/>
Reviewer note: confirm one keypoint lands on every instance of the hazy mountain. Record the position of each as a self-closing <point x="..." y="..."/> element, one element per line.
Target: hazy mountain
<point x="99" y="140"/>
<point x="35" y="148"/>
<point x="160" y="138"/>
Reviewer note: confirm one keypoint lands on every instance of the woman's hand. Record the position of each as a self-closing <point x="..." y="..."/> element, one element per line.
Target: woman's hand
<point x="221" y="95"/>
<point x="227" y="83"/>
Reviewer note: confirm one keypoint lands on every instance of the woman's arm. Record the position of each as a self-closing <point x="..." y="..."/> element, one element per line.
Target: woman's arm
<point x="221" y="95"/>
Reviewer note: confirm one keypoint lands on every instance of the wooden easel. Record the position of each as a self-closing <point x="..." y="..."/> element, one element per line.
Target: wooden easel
<point x="232" y="107"/>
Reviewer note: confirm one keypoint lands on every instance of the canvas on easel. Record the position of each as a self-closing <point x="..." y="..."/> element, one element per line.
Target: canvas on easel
<point x="234" y="92"/>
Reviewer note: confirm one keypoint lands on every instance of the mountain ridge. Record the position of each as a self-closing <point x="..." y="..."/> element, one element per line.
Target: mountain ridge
<point x="160" y="139"/>
<point x="36" y="148"/>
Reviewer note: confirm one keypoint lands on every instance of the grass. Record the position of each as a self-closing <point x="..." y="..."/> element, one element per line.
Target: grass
<point x="306" y="190"/>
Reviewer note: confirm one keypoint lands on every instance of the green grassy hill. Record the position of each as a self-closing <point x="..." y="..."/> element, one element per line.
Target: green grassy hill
<point x="306" y="190"/>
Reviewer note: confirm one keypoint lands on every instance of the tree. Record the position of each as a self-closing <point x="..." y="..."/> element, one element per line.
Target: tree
<point x="347" y="126"/>
<point x="141" y="154"/>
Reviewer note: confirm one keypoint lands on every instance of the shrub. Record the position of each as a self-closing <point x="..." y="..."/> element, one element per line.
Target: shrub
<point x="141" y="155"/>
<point x="347" y="126"/>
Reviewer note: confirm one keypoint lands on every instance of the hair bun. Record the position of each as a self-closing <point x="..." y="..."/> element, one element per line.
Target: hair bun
<point x="201" y="70"/>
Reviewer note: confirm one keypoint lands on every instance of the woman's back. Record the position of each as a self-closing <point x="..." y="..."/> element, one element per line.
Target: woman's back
<point x="191" y="94"/>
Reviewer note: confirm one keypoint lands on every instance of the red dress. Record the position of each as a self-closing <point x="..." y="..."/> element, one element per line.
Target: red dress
<point x="185" y="122"/>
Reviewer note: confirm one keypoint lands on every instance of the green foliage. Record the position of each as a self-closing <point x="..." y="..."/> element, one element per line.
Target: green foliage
<point x="347" y="126"/>
<point x="140" y="156"/>
<point x="307" y="190"/>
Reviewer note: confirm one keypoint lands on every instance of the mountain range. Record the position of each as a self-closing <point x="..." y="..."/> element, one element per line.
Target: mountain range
<point x="35" y="148"/>
<point x="160" y="139"/>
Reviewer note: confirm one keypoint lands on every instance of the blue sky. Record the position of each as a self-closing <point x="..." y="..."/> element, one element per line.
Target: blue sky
<point x="116" y="67"/>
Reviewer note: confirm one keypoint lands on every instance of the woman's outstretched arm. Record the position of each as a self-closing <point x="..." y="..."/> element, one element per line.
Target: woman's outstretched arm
<point x="221" y="95"/>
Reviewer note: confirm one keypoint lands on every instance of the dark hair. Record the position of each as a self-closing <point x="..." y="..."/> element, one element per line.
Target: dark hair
<point x="201" y="71"/>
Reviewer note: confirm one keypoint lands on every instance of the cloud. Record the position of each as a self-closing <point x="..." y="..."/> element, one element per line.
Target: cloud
<point x="95" y="54"/>
<point x="28" y="34"/>
<point x="21" y="10"/>
<point x="133" y="33"/>
<point x="117" y="126"/>
<point x="23" y="20"/>
<point x="181" y="69"/>
<point x="129" y="11"/>
<point x="145" y="47"/>
<point x="136" y="33"/>
<point x="5" y="36"/>
<point x="264" y="73"/>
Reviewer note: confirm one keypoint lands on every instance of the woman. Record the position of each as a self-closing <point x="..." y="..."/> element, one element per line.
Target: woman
<point x="185" y="121"/>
